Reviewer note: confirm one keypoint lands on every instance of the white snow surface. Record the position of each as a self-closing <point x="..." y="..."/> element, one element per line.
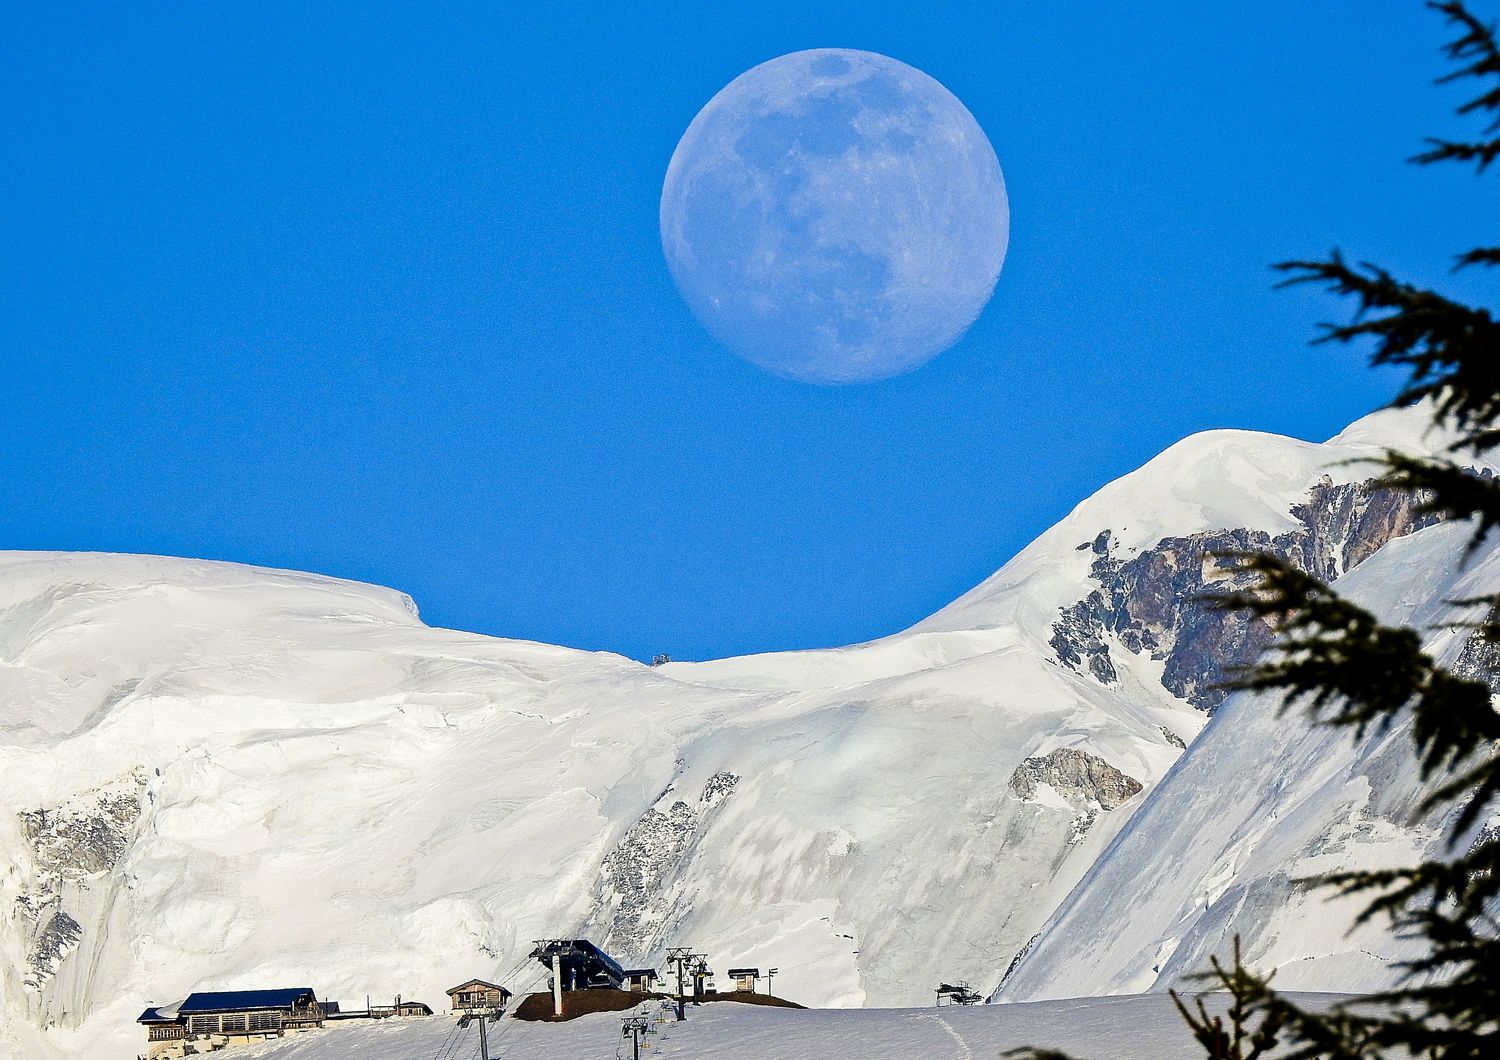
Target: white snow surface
<point x="1119" y="1028"/>
<point x="334" y="794"/>
<point x="1261" y="801"/>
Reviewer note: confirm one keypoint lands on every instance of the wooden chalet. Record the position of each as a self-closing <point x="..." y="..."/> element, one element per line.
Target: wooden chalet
<point x="210" y="1020"/>
<point x="477" y="996"/>
<point x="400" y="1010"/>
<point x="744" y="978"/>
<point x="640" y="980"/>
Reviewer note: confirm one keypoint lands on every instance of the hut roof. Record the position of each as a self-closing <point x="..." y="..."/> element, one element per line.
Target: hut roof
<point x="242" y="1000"/>
<point x="480" y="983"/>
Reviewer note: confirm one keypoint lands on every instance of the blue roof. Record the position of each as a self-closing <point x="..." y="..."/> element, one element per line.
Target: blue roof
<point x="237" y="1000"/>
<point x="153" y="1015"/>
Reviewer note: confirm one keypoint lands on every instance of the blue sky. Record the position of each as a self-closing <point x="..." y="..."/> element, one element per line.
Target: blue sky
<point x="378" y="292"/>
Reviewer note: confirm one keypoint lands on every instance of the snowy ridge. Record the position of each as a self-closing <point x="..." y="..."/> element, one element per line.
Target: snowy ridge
<point x="1260" y="801"/>
<point x="1215" y="480"/>
<point x="319" y="788"/>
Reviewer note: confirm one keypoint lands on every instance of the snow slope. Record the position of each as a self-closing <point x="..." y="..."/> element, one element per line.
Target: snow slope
<point x="334" y="794"/>
<point x="1261" y="801"/>
<point x="1121" y="1028"/>
<point x="222" y="776"/>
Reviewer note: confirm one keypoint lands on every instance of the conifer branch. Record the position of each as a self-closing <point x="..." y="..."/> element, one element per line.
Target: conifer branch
<point x="1450" y="351"/>
<point x="1477" y="50"/>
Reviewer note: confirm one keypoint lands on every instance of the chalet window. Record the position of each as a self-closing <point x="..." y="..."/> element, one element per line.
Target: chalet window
<point x="263" y="1021"/>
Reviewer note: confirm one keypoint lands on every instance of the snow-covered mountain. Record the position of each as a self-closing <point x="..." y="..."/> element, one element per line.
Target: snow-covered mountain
<point x="1263" y="802"/>
<point x="219" y="775"/>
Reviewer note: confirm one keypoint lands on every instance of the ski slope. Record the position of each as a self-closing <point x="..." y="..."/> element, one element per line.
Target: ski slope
<point x="1118" y="1028"/>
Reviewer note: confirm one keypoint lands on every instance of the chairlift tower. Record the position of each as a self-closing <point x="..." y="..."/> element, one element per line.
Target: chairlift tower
<point x="633" y="1027"/>
<point x="680" y="955"/>
<point x="701" y="971"/>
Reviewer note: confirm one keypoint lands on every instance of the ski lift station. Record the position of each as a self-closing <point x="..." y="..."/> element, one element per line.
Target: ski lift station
<point x="577" y="964"/>
<point x="210" y="1021"/>
<point x="958" y="992"/>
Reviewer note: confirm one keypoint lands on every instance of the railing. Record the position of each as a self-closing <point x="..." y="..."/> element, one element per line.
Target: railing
<point x="463" y="1002"/>
<point x="254" y="1022"/>
<point x="166" y="1034"/>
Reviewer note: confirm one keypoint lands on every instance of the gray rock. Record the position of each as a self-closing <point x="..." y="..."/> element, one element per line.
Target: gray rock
<point x="1480" y="657"/>
<point x="1160" y="601"/>
<point x="75" y="848"/>
<point x="83" y="838"/>
<point x="635" y="900"/>
<point x="53" y="943"/>
<point x="1086" y="781"/>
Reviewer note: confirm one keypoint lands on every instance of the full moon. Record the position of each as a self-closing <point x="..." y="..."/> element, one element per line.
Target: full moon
<point x="835" y="216"/>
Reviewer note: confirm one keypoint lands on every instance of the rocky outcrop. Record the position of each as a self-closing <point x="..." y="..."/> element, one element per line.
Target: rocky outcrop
<point x="1172" y="738"/>
<point x="56" y="939"/>
<point x="635" y="899"/>
<point x="1080" y="778"/>
<point x="1159" y="602"/>
<point x="1087" y="783"/>
<point x="84" y="836"/>
<point x="75" y="848"/>
<point x="1077" y="635"/>
<point x="1480" y="657"/>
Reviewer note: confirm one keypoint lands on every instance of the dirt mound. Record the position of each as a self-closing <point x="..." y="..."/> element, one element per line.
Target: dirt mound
<point x="744" y="997"/>
<point x="538" y="1007"/>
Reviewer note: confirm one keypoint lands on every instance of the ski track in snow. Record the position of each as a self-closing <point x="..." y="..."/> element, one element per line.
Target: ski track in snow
<point x="965" y="1053"/>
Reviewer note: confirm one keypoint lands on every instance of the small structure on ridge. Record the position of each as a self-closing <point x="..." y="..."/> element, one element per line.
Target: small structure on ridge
<point x="211" y="1020"/>
<point x="958" y="992"/>
<point x="477" y="998"/>
<point x="640" y="980"/>
<point x="744" y="978"/>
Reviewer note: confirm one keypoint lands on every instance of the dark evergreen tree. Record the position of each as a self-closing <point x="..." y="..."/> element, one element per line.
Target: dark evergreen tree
<point x="1344" y="667"/>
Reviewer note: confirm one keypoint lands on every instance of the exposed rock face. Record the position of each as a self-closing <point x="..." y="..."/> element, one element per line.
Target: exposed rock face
<point x="1158" y="602"/>
<point x="635" y="897"/>
<point x="1079" y="777"/>
<point x="83" y="837"/>
<point x="1085" y="782"/>
<point x="74" y="849"/>
<point x="54" y="942"/>
<point x="1077" y="634"/>
<point x="1480" y="658"/>
<point x="1015" y="962"/>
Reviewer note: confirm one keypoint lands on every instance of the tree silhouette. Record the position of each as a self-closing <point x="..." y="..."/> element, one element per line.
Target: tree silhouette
<point x="1340" y="664"/>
